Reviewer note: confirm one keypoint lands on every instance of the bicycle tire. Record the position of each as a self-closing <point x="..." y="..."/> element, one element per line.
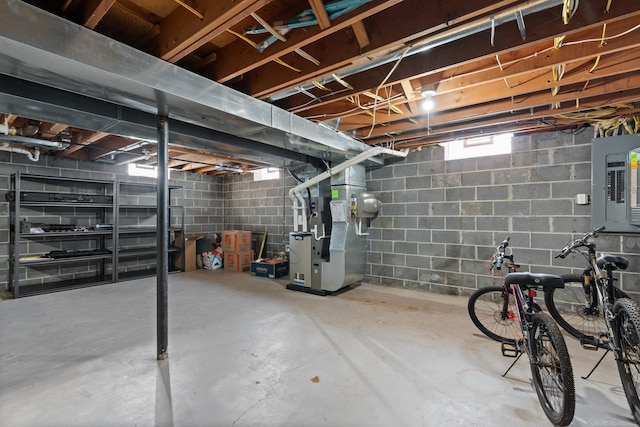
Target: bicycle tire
<point x="552" y="371"/>
<point x="568" y="307"/>
<point x="626" y="330"/>
<point x="485" y="309"/>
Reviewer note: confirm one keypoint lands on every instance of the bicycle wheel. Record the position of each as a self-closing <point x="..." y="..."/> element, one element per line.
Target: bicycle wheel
<point x="551" y="370"/>
<point x="487" y="311"/>
<point x="570" y="308"/>
<point x="626" y="330"/>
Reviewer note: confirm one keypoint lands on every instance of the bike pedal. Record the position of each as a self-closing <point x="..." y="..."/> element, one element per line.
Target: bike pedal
<point x="589" y="343"/>
<point x="510" y="349"/>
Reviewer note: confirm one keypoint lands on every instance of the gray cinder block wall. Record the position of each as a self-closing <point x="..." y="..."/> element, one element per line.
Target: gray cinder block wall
<point x="203" y="199"/>
<point x="442" y="220"/>
<point x="260" y="206"/>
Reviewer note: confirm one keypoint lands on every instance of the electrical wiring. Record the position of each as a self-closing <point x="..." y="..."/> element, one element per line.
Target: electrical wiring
<point x="558" y="72"/>
<point x="306" y="56"/>
<point x="569" y="9"/>
<point x="252" y="43"/>
<point x="291" y="67"/>
<point x="404" y="52"/>
<point x="603" y="122"/>
<point x="359" y="107"/>
<point x="320" y="86"/>
<point x="503" y="65"/>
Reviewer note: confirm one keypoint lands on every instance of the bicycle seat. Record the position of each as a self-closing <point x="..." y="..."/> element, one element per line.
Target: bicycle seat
<point x="534" y="280"/>
<point x="611" y="262"/>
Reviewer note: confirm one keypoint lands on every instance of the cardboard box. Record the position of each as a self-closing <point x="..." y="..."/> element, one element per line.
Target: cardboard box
<point x="236" y="241"/>
<point x="271" y="268"/>
<point x="189" y="252"/>
<point x="238" y="261"/>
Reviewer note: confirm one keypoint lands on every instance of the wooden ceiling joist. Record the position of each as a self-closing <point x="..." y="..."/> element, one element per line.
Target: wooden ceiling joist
<point x="96" y="10"/>
<point x="181" y="33"/>
<point x="467" y="50"/>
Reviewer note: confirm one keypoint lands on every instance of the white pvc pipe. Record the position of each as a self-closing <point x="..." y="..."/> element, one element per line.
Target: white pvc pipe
<point x="295" y="195"/>
<point x="32" y="156"/>
<point x="6" y="129"/>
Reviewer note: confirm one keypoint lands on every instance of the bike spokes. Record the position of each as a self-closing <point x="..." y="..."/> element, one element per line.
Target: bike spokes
<point x="551" y="370"/>
<point x="627" y="333"/>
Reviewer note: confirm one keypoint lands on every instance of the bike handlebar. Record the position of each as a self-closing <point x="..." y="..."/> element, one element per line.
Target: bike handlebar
<point x="499" y="256"/>
<point x="582" y="241"/>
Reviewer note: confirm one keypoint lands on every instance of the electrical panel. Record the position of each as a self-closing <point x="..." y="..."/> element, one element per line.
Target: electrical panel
<point x="634" y="206"/>
<point x="614" y="184"/>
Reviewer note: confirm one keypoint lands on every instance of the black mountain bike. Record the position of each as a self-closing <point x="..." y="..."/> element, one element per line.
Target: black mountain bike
<point x="509" y="314"/>
<point x="599" y="314"/>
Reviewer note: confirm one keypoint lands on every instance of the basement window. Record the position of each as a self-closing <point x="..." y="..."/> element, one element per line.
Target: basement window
<point x="478" y="147"/>
<point x="266" y="174"/>
<point x="142" y="170"/>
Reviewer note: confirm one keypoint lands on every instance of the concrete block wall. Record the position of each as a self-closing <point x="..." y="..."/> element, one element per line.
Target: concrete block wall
<point x="260" y="206"/>
<point x="442" y="220"/>
<point x="203" y="199"/>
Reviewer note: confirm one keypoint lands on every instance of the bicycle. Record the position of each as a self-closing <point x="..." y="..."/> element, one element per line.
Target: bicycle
<point x="492" y="308"/>
<point x="593" y="310"/>
<point x="513" y="307"/>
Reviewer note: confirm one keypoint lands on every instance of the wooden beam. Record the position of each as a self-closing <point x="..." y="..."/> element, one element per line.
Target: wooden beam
<point x="404" y="23"/>
<point x="95" y="11"/>
<point x="321" y="13"/>
<point x="523" y="122"/>
<point x="139" y="11"/>
<point x="457" y="52"/>
<point x="51" y="129"/>
<point x="600" y="93"/>
<point x="408" y="90"/>
<point x="519" y="85"/>
<point x="10" y="118"/>
<point x="114" y="144"/>
<point x="361" y="34"/>
<point x="191" y="166"/>
<point x="238" y="57"/>
<point x="82" y="139"/>
<point x="207" y="60"/>
<point x="182" y="32"/>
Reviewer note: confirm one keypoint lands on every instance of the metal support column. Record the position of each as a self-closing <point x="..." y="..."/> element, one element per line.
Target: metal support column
<point x="163" y="238"/>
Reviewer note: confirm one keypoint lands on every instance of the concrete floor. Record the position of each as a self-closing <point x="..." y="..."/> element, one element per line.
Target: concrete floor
<point x="244" y="351"/>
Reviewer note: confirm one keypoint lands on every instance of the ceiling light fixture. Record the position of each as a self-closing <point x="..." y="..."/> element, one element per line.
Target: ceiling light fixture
<point x="428" y="103"/>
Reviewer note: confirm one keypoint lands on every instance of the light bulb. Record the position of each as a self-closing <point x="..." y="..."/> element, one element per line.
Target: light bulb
<point x="428" y="103"/>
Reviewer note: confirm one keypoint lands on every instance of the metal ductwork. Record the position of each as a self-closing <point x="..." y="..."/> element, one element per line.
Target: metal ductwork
<point x="118" y="89"/>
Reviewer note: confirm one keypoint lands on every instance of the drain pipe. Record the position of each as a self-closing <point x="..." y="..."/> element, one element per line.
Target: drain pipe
<point x="295" y="192"/>
<point x="34" y="157"/>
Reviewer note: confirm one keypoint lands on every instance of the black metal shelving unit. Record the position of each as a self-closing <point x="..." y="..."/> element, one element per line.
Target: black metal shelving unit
<point x="136" y="203"/>
<point x="86" y="216"/>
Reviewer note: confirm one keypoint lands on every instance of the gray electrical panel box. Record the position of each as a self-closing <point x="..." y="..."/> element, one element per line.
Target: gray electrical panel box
<point x="614" y="193"/>
<point x="634" y="196"/>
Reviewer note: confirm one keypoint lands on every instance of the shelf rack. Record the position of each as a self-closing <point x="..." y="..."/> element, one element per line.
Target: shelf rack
<point x="74" y="207"/>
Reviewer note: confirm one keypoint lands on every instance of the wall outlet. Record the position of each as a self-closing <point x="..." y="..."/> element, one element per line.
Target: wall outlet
<point x="582" y="199"/>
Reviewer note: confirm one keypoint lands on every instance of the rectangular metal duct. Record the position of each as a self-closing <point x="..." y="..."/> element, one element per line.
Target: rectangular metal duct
<point x="45" y="49"/>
